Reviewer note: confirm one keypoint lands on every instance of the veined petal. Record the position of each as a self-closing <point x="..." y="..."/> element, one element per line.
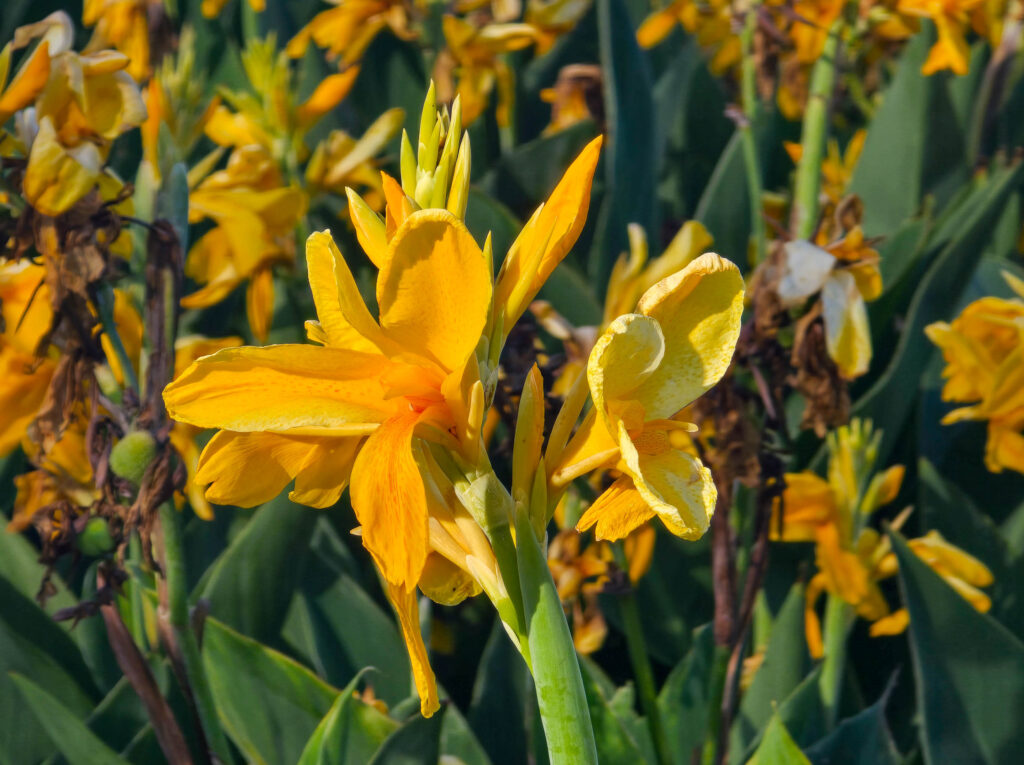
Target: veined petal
<point x="322" y="258"/>
<point x="699" y="310"/>
<point x="434" y="291"/>
<point x="618" y="511"/>
<point x="404" y="603"/>
<point x="259" y="303"/>
<point x="302" y="389"/>
<point x="847" y="335"/>
<point x="674" y="484"/>
<point x="547" y="237"/>
<point x="623" y="358"/>
<point x="389" y="499"/>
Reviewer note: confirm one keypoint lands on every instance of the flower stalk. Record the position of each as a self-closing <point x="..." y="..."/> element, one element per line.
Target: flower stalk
<point x="751" y="115"/>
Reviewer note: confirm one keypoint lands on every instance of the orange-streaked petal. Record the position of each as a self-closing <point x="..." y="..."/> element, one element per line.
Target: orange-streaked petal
<point x="435" y="289"/>
<point x="389" y="500"/>
<point x="302" y="389"/>
<point x="619" y="511"/>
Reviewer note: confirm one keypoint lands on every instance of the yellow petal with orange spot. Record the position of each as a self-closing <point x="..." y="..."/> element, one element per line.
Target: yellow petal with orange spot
<point x="301" y="389"/>
<point x="617" y="512"/>
<point x="389" y="499"/>
<point x="674" y="484"/>
<point x="435" y="289"/>
<point x="699" y="310"/>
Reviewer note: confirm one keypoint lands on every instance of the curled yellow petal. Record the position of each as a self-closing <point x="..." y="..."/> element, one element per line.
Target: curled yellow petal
<point x="404" y="603"/>
<point x="619" y="511"/>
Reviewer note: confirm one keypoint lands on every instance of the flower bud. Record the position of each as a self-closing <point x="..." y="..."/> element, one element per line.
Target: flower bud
<point x="132" y="454"/>
<point x="95" y="538"/>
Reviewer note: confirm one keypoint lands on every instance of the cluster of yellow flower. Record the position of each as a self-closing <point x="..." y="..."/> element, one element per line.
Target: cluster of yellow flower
<point x="984" y="352"/>
<point x="798" y="32"/>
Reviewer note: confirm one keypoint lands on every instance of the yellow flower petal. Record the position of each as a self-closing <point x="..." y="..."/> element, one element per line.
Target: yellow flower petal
<point x="259" y="303"/>
<point x="657" y="26"/>
<point x="674" y="484"/>
<point x="248" y="469"/>
<point x="406" y="608"/>
<point x="699" y="310"/>
<point x="847" y="334"/>
<point x="807" y="502"/>
<point x="435" y="289"/>
<point x="322" y="263"/>
<point x="57" y="177"/>
<point x="893" y="624"/>
<point x="301" y="389"/>
<point x="617" y="512"/>
<point x="389" y="500"/>
<point x="328" y="94"/>
<point x="445" y="583"/>
<point x="547" y="237"/>
<point x="23" y="386"/>
<point x="27" y="83"/>
<point x="623" y="358"/>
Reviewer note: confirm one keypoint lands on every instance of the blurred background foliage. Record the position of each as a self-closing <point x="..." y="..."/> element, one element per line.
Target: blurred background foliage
<point x="296" y="623"/>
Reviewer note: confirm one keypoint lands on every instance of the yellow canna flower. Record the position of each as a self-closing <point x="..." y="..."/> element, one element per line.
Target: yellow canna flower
<point x="474" y="57"/>
<point x="212" y="8"/>
<point x="811" y="22"/>
<point x="983" y="351"/>
<point x="553" y="18"/>
<point x="79" y="105"/>
<point x="575" y="97"/>
<point x="124" y="26"/>
<point x="950" y="18"/>
<point x="850" y="556"/>
<point x="711" y="23"/>
<point x="644" y="369"/>
<point x="837" y="167"/>
<point x="347" y="29"/>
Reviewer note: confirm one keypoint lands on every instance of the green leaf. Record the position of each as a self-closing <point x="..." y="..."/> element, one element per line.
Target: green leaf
<point x="484" y="216"/>
<point x="863" y="739"/>
<point x="968" y="669"/>
<point x="630" y="153"/>
<point x="497" y="709"/>
<point x="572" y="296"/>
<point x="724" y="207"/>
<point x="614" y="741"/>
<point x="19" y="565"/>
<point x="76" y="742"/>
<point x="683" y="700"/>
<point x="777" y="747"/>
<point x="172" y="203"/>
<point x="417" y="742"/>
<point x="802" y="713"/>
<point x="252" y="582"/>
<point x="350" y="732"/>
<point x="784" y="668"/>
<point x="269" y="704"/>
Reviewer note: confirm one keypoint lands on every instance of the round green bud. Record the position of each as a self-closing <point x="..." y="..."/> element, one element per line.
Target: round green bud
<point x="132" y="454"/>
<point x="95" y="538"/>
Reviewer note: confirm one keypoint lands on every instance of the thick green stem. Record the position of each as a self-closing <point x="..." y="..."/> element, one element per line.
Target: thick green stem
<point x="642" y="671"/>
<point x="137" y="623"/>
<point x="173" y="562"/>
<point x="838" y="615"/>
<point x="813" y="135"/>
<point x="561" y="697"/>
<point x="751" y="111"/>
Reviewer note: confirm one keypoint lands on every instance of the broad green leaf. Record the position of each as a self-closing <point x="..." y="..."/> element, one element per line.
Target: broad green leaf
<point x="863" y="739"/>
<point x="417" y="742"/>
<point x="458" y="739"/>
<point x="36" y="647"/>
<point x="78" y="744"/>
<point x="724" y="207"/>
<point x="500" y="697"/>
<point x="614" y="742"/>
<point x="268" y="704"/>
<point x="802" y="714"/>
<point x="785" y="666"/>
<point x="969" y="671"/>
<point x="251" y="584"/>
<point x="484" y="216"/>
<point x="350" y="732"/>
<point x="572" y="296"/>
<point x="777" y="747"/>
<point x="19" y="565"/>
<point x="630" y="153"/>
<point x="683" y="700"/>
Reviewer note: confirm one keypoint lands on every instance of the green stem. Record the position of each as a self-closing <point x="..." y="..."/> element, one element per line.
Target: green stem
<point x="719" y="670"/>
<point x="837" y="622"/>
<point x="177" y="597"/>
<point x="138" y="617"/>
<point x="751" y="111"/>
<point x="642" y="671"/>
<point x="561" y="697"/>
<point x="813" y="134"/>
<point x="105" y="309"/>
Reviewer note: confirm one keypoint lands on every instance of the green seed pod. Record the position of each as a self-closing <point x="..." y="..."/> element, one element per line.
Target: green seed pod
<point x="95" y="538"/>
<point x="132" y="454"/>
